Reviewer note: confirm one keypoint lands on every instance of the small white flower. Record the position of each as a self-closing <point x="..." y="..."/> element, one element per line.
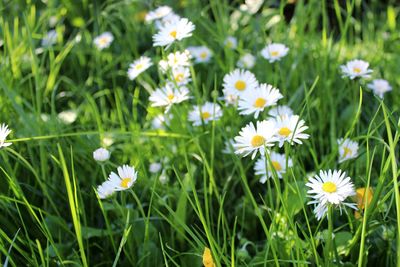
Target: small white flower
<point x="231" y="42"/>
<point x="252" y="139"/>
<point x="138" y="66"/>
<point x="163" y="177"/>
<point x="278" y="162"/>
<point x="4" y="132"/>
<point x="104" y="40"/>
<point x="274" y="52"/>
<point x="229" y="146"/>
<point x="347" y="149"/>
<point x="105" y="190"/>
<point x="356" y="69"/>
<point x="126" y="177"/>
<point x="168" y="95"/>
<point x="180" y="75"/>
<point x="160" y="121"/>
<point x="247" y="61"/>
<point x="107" y="140"/>
<point x="205" y="113"/>
<point x="68" y="116"/>
<point x="239" y="81"/>
<point x="179" y="59"/>
<point x="330" y="188"/>
<point x="379" y="87"/>
<point x="280" y="111"/>
<point x="101" y="154"/>
<point x="290" y="129"/>
<point x="256" y="100"/>
<point x="171" y="32"/>
<point x="201" y="54"/>
<point x="50" y="38"/>
<point x="168" y="19"/>
<point x="155" y="167"/>
<point x="158" y="13"/>
<point x="230" y="99"/>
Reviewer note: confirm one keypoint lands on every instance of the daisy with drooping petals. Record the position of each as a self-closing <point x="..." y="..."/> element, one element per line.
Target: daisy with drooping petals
<point x="158" y="13"/>
<point x="126" y="177"/>
<point x="138" y="66"/>
<point x="239" y="81"/>
<point x="168" y="95"/>
<point x="181" y="75"/>
<point x="347" y="149"/>
<point x="379" y="87"/>
<point x="205" y="113"/>
<point x="330" y="188"/>
<point x="278" y="162"/>
<point x="290" y="129"/>
<point x="356" y="69"/>
<point x="105" y="190"/>
<point x="171" y="32"/>
<point x="247" y="61"/>
<point x="231" y="42"/>
<point x="256" y="100"/>
<point x="201" y="54"/>
<point x="4" y="132"/>
<point x="253" y="139"/>
<point x="104" y="40"/>
<point x="274" y="52"/>
<point x="280" y="111"/>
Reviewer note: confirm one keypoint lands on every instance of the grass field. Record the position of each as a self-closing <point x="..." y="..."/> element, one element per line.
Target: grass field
<point x="200" y="186"/>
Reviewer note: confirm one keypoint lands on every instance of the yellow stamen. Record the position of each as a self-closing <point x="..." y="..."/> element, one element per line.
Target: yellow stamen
<point x="284" y="131"/>
<point x="276" y="166"/>
<point x="357" y="70"/>
<point x="329" y="187"/>
<point x="240" y="85"/>
<point x="139" y="66"/>
<point x="260" y="102"/>
<point x="179" y="77"/>
<point x="203" y="55"/>
<point x="171" y="96"/>
<point x="173" y="34"/>
<point x="257" y="141"/>
<point x="125" y="182"/>
<point x="347" y="151"/>
<point x="274" y="53"/>
<point x="205" y="115"/>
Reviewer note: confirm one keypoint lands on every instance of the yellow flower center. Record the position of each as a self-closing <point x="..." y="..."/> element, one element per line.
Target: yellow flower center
<point x="125" y="182"/>
<point x="284" y="131"/>
<point x="240" y="85"/>
<point x="179" y="77"/>
<point x="203" y="55"/>
<point x="257" y="141"/>
<point x="329" y="187"/>
<point x="357" y="70"/>
<point x="276" y="166"/>
<point x="274" y="53"/>
<point x="173" y="34"/>
<point x="260" y="102"/>
<point x="229" y="44"/>
<point x="170" y="96"/>
<point x="347" y="151"/>
<point x="205" y="115"/>
<point x="139" y="66"/>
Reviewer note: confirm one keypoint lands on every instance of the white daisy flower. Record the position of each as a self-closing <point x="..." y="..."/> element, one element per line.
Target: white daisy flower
<point x="201" y="54"/>
<point x="379" y="87"/>
<point x="179" y="59"/>
<point x="168" y="95"/>
<point x="247" y="61"/>
<point x="155" y="167"/>
<point x="231" y="42"/>
<point x="158" y="13"/>
<point x="330" y="188"/>
<point x="256" y="100"/>
<point x="239" y="81"/>
<point x="347" y="149"/>
<point x="105" y="190"/>
<point x="356" y="69"/>
<point x="161" y="120"/>
<point x="252" y="139"/>
<point x="68" y="116"/>
<point x="138" y="66"/>
<point x="104" y="40"/>
<point x="101" y="154"/>
<point x="229" y="98"/>
<point x="125" y="178"/>
<point x="274" y="52"/>
<point x="278" y="162"/>
<point x="290" y="129"/>
<point x="50" y="38"/>
<point x="181" y="75"/>
<point x="205" y="113"/>
<point x="171" y="32"/>
<point x="280" y="111"/>
<point x="168" y="19"/>
<point x="4" y="132"/>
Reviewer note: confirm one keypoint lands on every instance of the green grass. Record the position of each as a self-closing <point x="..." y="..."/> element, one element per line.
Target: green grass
<point x="50" y="213"/>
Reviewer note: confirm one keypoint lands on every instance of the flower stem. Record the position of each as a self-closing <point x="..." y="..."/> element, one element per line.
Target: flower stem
<point x="330" y="238"/>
